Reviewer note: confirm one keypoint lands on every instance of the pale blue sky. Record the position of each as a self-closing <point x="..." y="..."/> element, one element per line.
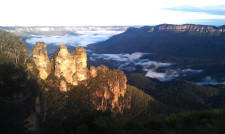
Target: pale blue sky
<point x="110" y="12"/>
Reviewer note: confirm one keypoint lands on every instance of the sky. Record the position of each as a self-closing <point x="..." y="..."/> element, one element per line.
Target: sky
<point x="110" y="12"/>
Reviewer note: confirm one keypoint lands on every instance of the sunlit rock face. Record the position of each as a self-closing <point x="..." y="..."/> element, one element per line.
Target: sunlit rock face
<point x="80" y="57"/>
<point x="93" y="71"/>
<point x="63" y="86"/>
<point x="112" y="86"/>
<point x="65" y="65"/>
<point x="41" y="60"/>
<point x="71" y="66"/>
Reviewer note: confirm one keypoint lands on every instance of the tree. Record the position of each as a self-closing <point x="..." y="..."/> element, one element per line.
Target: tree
<point x="17" y="51"/>
<point x="2" y="41"/>
<point x="26" y="57"/>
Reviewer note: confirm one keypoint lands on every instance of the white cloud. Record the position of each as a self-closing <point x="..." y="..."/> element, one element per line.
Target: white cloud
<point x="148" y="63"/>
<point x="88" y="37"/>
<point x="153" y="74"/>
<point x="120" y="57"/>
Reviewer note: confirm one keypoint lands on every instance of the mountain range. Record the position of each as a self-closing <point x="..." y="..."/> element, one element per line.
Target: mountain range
<point x="185" y="46"/>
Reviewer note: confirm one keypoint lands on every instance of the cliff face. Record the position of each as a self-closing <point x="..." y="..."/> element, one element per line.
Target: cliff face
<point x="187" y="27"/>
<point x="110" y="89"/>
<point x="179" y="28"/>
<point x="41" y="60"/>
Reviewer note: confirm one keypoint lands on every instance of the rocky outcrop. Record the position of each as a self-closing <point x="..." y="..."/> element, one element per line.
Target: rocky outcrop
<point x="80" y="57"/>
<point x="41" y="60"/>
<point x="71" y="66"/>
<point x="65" y="65"/>
<point x="93" y="71"/>
<point x="110" y="88"/>
<point x="63" y="86"/>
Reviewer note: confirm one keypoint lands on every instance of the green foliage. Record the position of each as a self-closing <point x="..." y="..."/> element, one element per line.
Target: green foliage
<point x="12" y="47"/>
<point x="174" y="94"/>
<point x="143" y="106"/>
<point x="206" y="122"/>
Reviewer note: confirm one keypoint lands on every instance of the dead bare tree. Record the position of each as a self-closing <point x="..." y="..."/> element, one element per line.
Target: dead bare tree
<point x="17" y="52"/>
<point x="26" y="57"/>
<point x="2" y="43"/>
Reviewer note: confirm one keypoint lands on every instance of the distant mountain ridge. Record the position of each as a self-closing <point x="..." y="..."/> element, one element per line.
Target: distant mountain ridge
<point x="180" y="28"/>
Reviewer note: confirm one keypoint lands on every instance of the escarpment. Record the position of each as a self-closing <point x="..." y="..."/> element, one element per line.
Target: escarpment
<point x="179" y="28"/>
<point x="66" y="70"/>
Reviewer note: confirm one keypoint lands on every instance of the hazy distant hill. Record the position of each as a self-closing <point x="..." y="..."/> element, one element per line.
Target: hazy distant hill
<point x="59" y="30"/>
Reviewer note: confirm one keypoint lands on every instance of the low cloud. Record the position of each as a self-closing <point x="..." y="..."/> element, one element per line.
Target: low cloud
<point x="119" y="57"/>
<point x="150" y="73"/>
<point x="166" y="75"/>
<point x="191" y="71"/>
<point x="208" y="80"/>
<point x="154" y="69"/>
<point x="85" y="38"/>
<point x="148" y="63"/>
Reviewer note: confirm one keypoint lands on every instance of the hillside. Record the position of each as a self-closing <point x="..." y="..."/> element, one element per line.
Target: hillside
<point x="179" y="94"/>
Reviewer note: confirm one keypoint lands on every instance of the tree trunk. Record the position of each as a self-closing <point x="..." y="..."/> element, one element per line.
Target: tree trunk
<point x="1" y="48"/>
<point x="25" y="59"/>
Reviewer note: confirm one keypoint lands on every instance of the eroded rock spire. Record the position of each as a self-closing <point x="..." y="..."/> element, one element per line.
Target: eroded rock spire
<point x="41" y="59"/>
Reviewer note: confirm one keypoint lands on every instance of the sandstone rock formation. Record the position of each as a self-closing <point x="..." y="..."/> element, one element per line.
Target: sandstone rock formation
<point x="63" y="86"/>
<point x="71" y="67"/>
<point x="80" y="57"/>
<point x="187" y="28"/>
<point x="64" y="65"/>
<point x="93" y="71"/>
<point x="111" y="86"/>
<point x="41" y="60"/>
